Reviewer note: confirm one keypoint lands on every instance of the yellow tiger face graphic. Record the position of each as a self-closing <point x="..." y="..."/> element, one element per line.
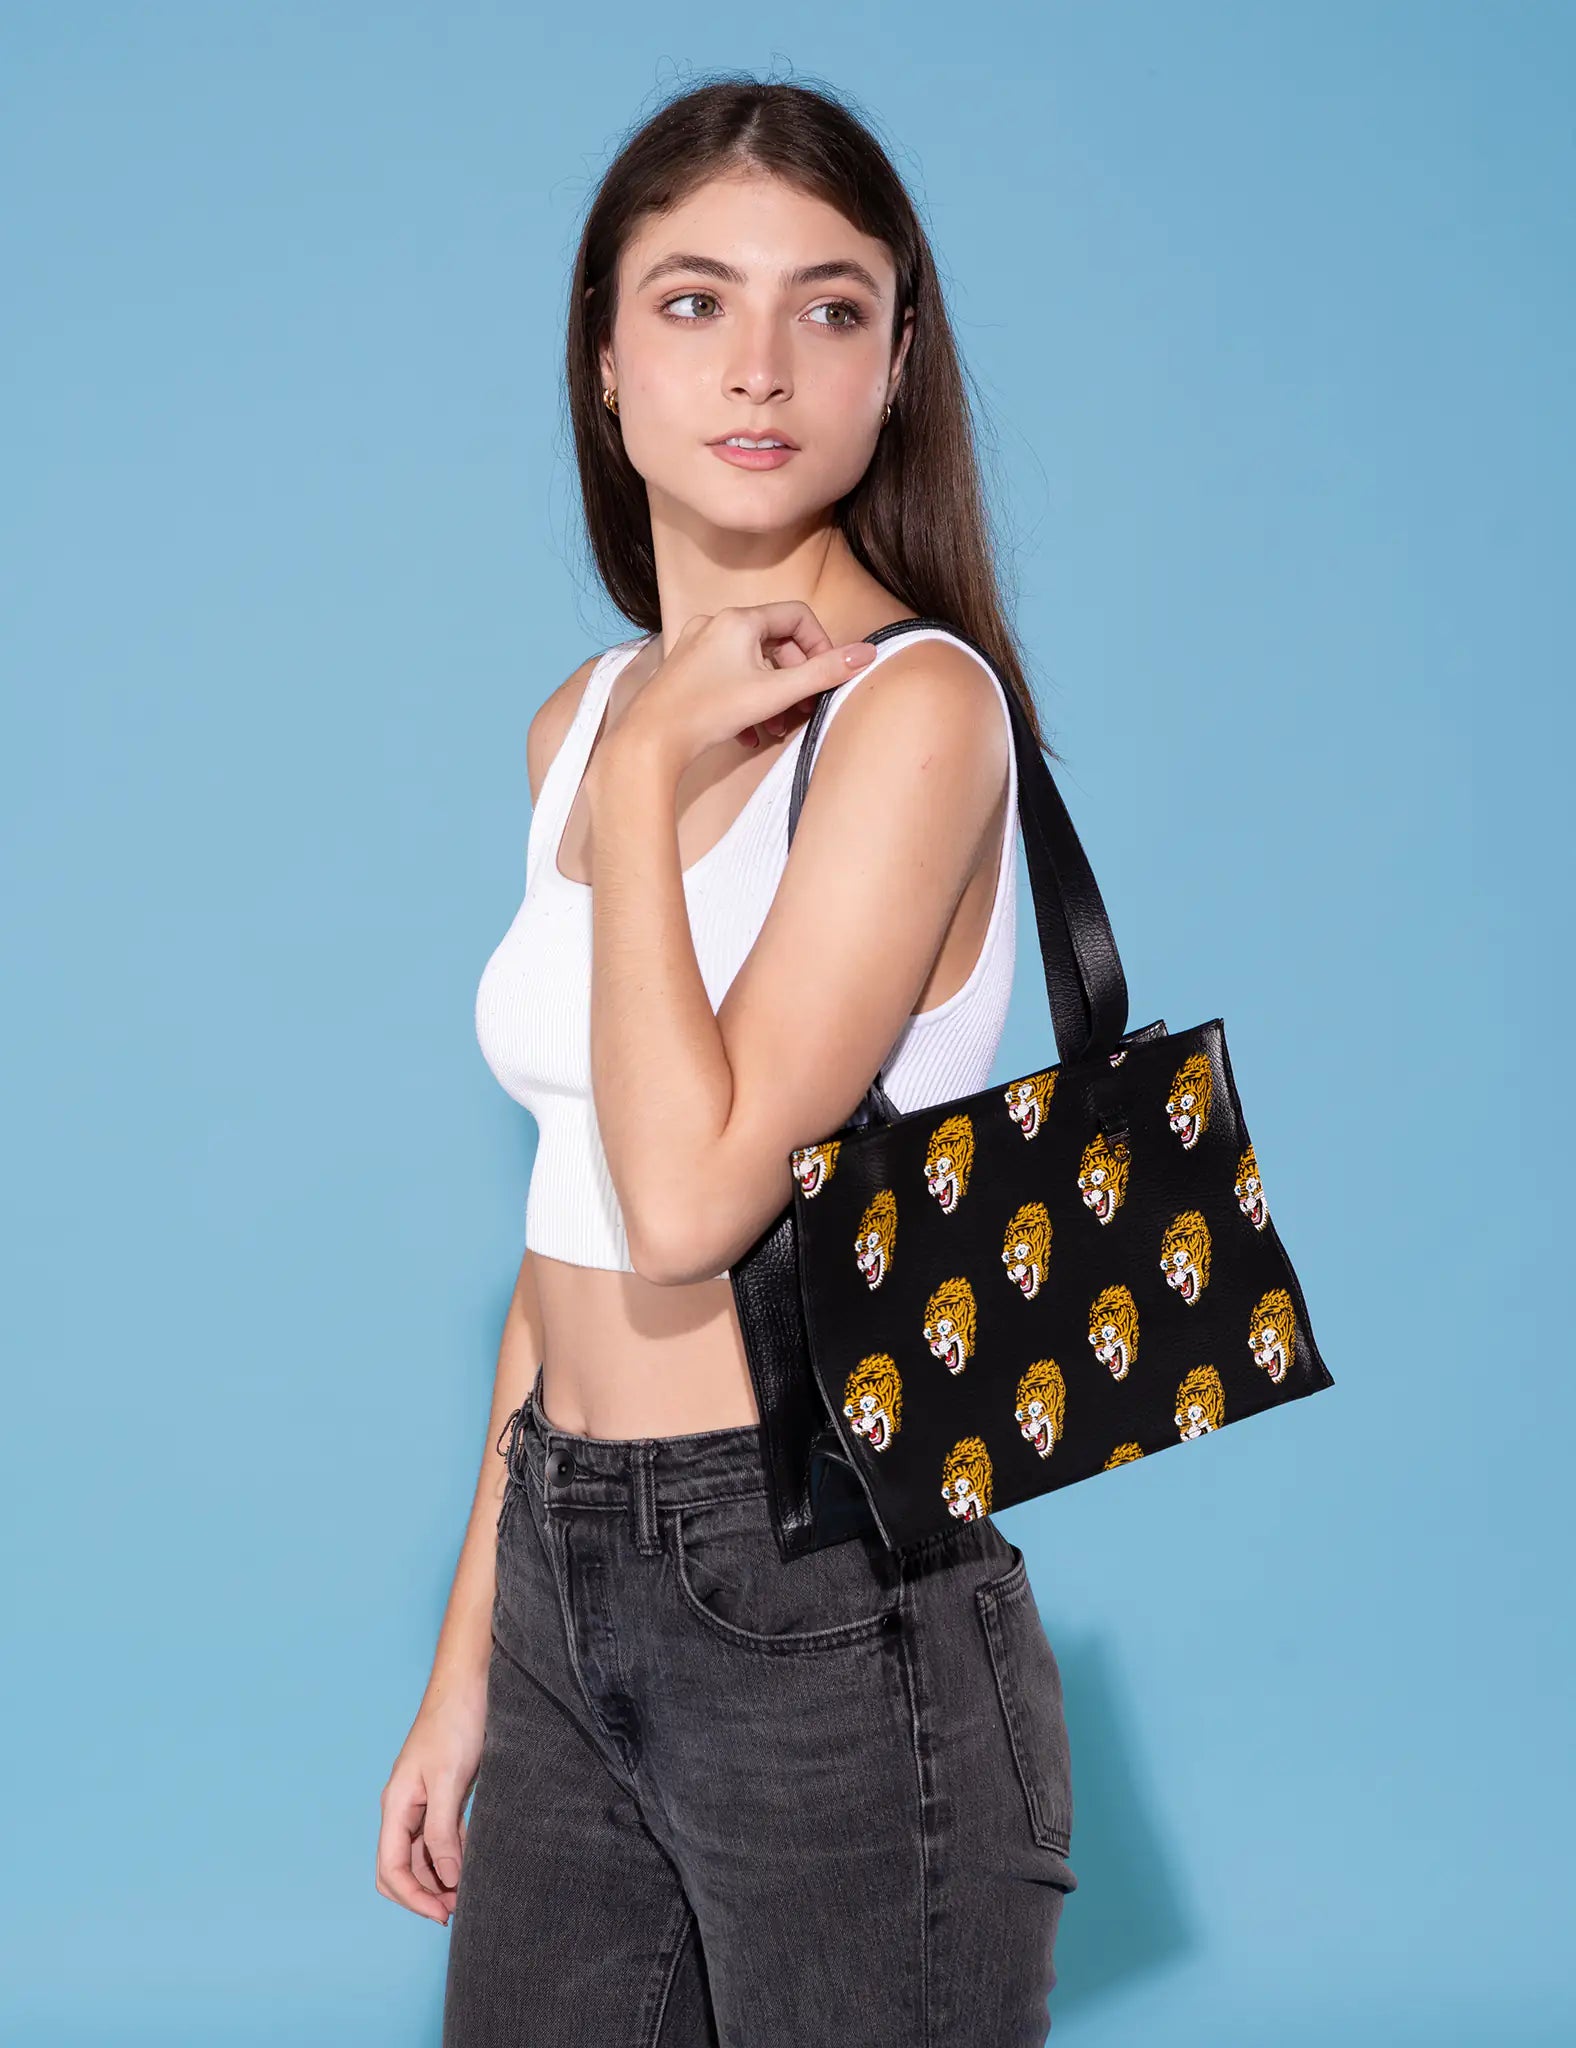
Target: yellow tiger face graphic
<point x="1201" y="1402"/>
<point x="948" y="1160"/>
<point x="1184" y="1255"/>
<point x="1026" y="1248"/>
<point x="1187" y="1106"/>
<point x="877" y="1239"/>
<point x="873" y="1400"/>
<point x="1028" y="1100"/>
<point x="950" y="1323"/>
<point x="1113" y="1329"/>
<point x="1102" y="1175"/>
<point x="814" y="1165"/>
<point x="1124" y="1454"/>
<point x="965" y="1480"/>
<point x="1272" y="1335"/>
<point x="1249" y="1190"/>
<point x="1042" y="1405"/>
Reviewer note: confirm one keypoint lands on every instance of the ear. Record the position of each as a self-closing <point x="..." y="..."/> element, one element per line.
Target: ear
<point x="902" y="353"/>
<point x="604" y="358"/>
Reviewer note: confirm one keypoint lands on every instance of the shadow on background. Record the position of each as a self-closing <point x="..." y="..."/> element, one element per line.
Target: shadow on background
<point x="1127" y="1919"/>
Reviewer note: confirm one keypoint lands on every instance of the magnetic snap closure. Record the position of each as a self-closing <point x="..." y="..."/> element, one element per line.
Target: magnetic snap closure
<point x="560" y="1465"/>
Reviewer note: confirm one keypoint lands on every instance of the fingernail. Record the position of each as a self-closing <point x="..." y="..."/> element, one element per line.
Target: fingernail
<point x="860" y="651"/>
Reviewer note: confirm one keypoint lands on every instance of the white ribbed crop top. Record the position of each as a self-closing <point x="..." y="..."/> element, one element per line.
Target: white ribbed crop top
<point x="533" y="1014"/>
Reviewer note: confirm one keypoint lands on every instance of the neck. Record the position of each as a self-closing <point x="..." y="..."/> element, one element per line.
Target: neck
<point x="701" y="571"/>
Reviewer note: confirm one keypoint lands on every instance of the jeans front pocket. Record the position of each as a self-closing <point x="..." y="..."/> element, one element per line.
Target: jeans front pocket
<point x="1029" y="1683"/>
<point x="735" y="1583"/>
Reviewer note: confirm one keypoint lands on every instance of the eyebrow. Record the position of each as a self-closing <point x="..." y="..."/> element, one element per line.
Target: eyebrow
<point x="809" y="273"/>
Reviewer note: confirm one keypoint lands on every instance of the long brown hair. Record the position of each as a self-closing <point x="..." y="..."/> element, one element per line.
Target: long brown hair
<point x="916" y="519"/>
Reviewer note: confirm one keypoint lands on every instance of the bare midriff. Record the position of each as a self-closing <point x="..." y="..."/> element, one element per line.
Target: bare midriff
<point x="625" y="1357"/>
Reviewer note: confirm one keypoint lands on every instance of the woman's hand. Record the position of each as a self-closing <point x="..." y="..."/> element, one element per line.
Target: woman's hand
<point x="422" y="1838"/>
<point x="749" y="672"/>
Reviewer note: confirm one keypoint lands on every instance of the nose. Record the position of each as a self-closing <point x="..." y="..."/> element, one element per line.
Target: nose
<point x="761" y="389"/>
<point x="760" y="371"/>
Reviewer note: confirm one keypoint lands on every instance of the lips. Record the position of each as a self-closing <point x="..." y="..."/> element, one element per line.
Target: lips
<point x="756" y="434"/>
<point x="752" y="458"/>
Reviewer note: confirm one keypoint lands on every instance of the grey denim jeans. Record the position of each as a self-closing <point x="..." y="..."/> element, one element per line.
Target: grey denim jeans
<point x="732" y="1801"/>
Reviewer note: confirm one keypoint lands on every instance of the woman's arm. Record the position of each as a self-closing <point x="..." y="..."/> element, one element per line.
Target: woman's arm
<point x="459" y="1662"/>
<point x="699" y="1112"/>
<point x="421" y="1840"/>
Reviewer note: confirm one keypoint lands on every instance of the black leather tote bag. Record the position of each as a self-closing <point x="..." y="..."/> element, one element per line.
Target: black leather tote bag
<point x="990" y="1298"/>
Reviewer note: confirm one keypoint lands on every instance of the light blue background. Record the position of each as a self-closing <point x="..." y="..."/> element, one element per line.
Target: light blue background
<point x="1270" y="308"/>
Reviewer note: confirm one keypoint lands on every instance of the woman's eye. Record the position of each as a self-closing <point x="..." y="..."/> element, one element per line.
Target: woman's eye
<point x="855" y="317"/>
<point x="669" y="304"/>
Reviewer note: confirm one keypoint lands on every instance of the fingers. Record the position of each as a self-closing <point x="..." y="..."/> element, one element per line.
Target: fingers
<point x="783" y="722"/>
<point x="441" y="1832"/>
<point x="788" y="626"/>
<point x="788" y="629"/>
<point x="818" y="663"/>
<point x="827" y="670"/>
<point x="398" y="1839"/>
<point x="789" y="633"/>
<point x="423" y="1870"/>
<point x="778" y="725"/>
<point x="795" y="631"/>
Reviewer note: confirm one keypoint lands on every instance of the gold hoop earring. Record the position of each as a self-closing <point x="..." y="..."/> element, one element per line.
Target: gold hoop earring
<point x="610" y="399"/>
<point x="886" y="414"/>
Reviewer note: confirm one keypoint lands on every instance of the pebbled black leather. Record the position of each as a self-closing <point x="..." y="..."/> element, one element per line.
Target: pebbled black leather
<point x="812" y="1322"/>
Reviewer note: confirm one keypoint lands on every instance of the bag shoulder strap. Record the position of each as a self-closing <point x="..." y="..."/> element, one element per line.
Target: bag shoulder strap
<point x="1084" y="982"/>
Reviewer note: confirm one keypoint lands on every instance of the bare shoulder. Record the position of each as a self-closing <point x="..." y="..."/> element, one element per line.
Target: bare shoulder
<point x="554" y="716"/>
<point x="929" y="710"/>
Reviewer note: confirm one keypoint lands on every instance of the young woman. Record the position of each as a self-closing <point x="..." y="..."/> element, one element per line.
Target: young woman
<point x="721" y="1797"/>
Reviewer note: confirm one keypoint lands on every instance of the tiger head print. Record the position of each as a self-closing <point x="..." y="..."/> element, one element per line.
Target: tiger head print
<point x="950" y="1323"/>
<point x="1184" y="1255"/>
<point x="1026" y="1248"/>
<point x="814" y="1165"/>
<point x="1249" y="1190"/>
<point x="965" y="1480"/>
<point x="1272" y="1335"/>
<point x="1187" y="1106"/>
<point x="1124" y="1454"/>
<point x="873" y="1400"/>
<point x="1102" y="1175"/>
<point x="1113" y="1329"/>
<point x="1029" y="1099"/>
<point x="1201" y="1402"/>
<point x="877" y="1238"/>
<point x="1042" y="1405"/>
<point x="948" y="1159"/>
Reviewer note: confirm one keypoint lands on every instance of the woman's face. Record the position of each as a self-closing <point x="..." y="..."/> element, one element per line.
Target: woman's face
<point x="716" y="335"/>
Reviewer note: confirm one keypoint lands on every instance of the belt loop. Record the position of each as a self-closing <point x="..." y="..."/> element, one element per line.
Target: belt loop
<point x="643" y="1487"/>
<point x="510" y="1453"/>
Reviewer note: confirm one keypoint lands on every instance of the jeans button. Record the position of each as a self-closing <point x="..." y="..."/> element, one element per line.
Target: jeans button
<point x="560" y="1465"/>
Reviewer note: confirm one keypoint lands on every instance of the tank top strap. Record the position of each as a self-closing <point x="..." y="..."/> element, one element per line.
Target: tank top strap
<point x="567" y="768"/>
